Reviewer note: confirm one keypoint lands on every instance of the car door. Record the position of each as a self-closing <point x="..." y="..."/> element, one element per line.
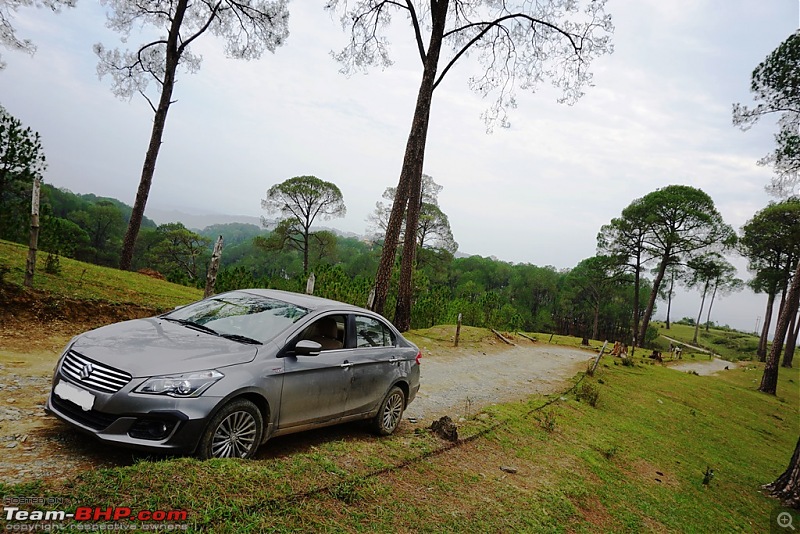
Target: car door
<point x="375" y="360"/>
<point x="314" y="387"/>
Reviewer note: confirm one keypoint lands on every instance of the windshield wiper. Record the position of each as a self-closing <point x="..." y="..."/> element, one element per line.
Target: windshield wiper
<point x="241" y="339"/>
<point x="192" y="324"/>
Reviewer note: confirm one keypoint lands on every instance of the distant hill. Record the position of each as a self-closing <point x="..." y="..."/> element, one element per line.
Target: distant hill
<point x="198" y="222"/>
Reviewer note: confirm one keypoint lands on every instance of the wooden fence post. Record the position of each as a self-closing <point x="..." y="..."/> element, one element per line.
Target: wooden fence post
<point x="602" y="350"/>
<point x="211" y="278"/>
<point x="30" y="265"/>
<point x="310" y="284"/>
<point x="458" y="329"/>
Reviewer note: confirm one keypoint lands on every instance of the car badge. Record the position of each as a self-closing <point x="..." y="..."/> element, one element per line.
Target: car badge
<point x="86" y="371"/>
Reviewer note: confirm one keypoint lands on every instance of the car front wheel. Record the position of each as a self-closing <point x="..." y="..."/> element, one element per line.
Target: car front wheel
<point x="234" y="432"/>
<point x="390" y="412"/>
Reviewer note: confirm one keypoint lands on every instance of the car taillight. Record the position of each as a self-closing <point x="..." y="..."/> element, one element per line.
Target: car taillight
<point x="418" y="359"/>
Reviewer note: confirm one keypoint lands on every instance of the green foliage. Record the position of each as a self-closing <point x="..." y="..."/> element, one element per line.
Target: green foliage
<point x="774" y="85"/>
<point x="21" y="160"/>
<point x="547" y="421"/>
<point x="238" y="277"/>
<point x="433" y="231"/>
<point x="52" y="264"/>
<point x="771" y="243"/>
<point x="299" y="201"/>
<point x="589" y="393"/>
<point x="180" y="254"/>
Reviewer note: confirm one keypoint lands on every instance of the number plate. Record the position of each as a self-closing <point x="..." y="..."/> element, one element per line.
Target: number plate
<point x="82" y="398"/>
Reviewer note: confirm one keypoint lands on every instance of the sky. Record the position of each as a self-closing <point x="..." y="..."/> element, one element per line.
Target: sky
<point x="659" y="113"/>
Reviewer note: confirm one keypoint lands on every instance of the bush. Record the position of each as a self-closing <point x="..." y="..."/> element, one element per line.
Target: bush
<point x="588" y="392"/>
<point x="650" y="335"/>
<point x="52" y="264"/>
<point x="547" y="421"/>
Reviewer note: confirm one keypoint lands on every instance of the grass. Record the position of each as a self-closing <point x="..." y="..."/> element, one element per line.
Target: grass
<point x="633" y="462"/>
<point x="729" y="344"/>
<point x="624" y="451"/>
<point x="84" y="281"/>
<point x="469" y="336"/>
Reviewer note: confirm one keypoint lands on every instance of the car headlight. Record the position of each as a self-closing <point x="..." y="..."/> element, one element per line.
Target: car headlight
<point x="185" y="385"/>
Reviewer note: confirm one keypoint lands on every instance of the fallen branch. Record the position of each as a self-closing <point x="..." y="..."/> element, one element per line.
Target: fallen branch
<point x="503" y="339"/>
<point x="527" y="337"/>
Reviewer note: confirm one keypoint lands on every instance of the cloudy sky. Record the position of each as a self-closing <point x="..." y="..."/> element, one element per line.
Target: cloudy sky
<point x="538" y="192"/>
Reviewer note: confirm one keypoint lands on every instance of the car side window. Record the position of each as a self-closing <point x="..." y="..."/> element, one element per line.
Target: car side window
<point x="328" y="331"/>
<point x="372" y="333"/>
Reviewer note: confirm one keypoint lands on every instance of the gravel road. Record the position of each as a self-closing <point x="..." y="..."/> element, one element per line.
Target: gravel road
<point x="460" y="385"/>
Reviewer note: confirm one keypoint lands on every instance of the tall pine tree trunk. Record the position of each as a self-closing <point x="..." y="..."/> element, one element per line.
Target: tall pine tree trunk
<point x="769" y="381"/>
<point x="653" y="296"/>
<point x="791" y="337"/>
<point x="636" y="291"/>
<point x="402" y="312"/>
<point x="700" y="314"/>
<point x="764" y="338"/>
<point x="669" y="296"/>
<point x="159" y="121"/>
<point x="711" y="305"/>
<point x="410" y="177"/>
<point x="787" y="486"/>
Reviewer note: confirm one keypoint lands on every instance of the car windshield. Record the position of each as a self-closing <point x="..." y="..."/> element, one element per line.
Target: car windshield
<point x="240" y="315"/>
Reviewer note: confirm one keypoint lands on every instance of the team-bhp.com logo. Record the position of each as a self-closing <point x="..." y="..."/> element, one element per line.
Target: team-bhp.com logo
<point x="157" y="519"/>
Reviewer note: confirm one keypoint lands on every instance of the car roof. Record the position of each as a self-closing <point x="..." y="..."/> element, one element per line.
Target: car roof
<point x="305" y="301"/>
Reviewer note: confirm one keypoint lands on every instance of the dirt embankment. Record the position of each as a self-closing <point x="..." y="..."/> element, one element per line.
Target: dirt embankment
<point x="34" y="328"/>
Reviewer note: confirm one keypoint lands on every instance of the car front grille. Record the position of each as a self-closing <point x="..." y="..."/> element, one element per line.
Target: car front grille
<point x="92" y="374"/>
<point x="92" y="418"/>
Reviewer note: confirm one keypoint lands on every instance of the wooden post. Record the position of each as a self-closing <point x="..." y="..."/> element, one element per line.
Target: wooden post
<point x="211" y="278"/>
<point x="602" y="350"/>
<point x="30" y="265"/>
<point x="371" y="299"/>
<point x="458" y="329"/>
<point x="310" y="284"/>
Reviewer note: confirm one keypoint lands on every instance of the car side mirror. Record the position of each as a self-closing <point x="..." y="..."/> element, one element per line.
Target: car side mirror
<point x="306" y="347"/>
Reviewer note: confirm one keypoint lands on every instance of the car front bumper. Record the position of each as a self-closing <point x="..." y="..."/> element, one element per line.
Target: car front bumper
<point x="141" y="421"/>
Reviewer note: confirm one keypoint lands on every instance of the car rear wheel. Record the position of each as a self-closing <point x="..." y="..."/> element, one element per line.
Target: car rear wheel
<point x="390" y="413"/>
<point x="234" y="432"/>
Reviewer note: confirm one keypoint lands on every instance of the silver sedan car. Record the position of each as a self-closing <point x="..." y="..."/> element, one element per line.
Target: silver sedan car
<point x="221" y="376"/>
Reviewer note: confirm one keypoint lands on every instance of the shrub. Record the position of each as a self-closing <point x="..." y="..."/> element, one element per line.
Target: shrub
<point x="588" y="392"/>
<point x="52" y="264"/>
<point x="547" y="421"/>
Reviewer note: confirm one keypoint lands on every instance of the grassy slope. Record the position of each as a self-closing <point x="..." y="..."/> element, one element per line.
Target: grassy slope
<point x="84" y="281"/>
<point x="730" y="345"/>
<point x="633" y="463"/>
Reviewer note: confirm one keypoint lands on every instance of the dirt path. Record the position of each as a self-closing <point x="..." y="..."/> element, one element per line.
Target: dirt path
<point x="704" y="367"/>
<point x="700" y="349"/>
<point x="459" y="386"/>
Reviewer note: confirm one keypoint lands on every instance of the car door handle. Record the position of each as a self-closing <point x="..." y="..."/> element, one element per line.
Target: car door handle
<point x="345" y="364"/>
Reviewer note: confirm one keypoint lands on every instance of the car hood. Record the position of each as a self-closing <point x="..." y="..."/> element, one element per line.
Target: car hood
<point x="149" y="347"/>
